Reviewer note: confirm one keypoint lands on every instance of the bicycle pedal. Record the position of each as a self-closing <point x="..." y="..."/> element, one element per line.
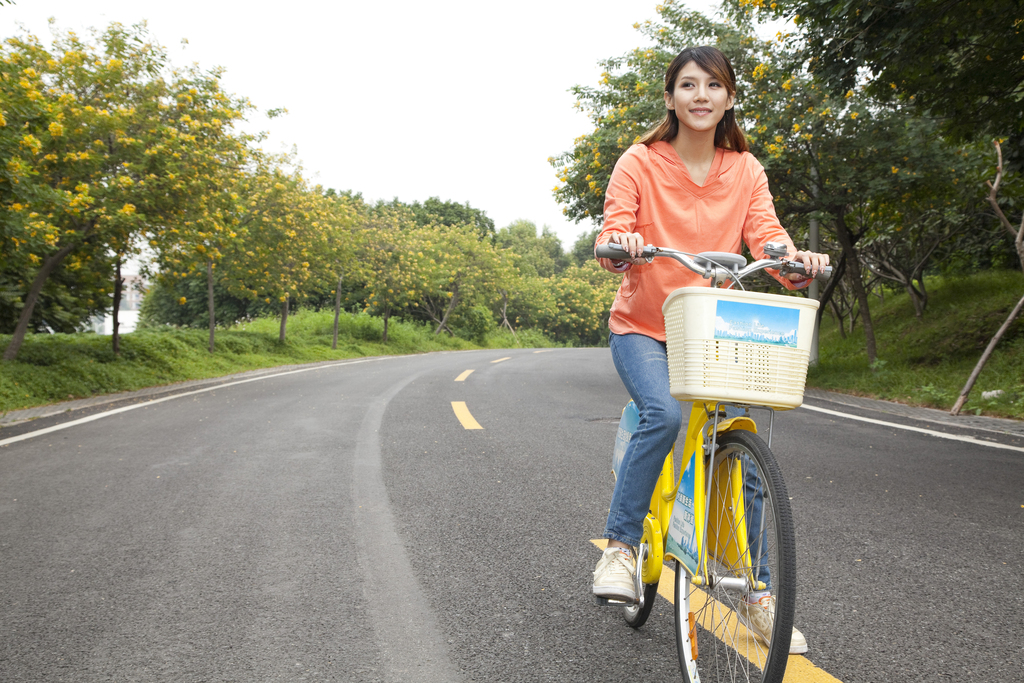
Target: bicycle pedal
<point x="610" y="602"/>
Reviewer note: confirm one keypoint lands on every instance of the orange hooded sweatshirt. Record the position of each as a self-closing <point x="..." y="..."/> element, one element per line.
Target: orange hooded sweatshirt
<point x="650" y="192"/>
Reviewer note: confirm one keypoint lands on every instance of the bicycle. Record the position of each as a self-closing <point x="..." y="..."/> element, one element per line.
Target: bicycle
<point x="728" y="349"/>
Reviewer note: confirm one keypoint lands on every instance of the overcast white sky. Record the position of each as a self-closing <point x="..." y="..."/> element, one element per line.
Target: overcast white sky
<point x="460" y="99"/>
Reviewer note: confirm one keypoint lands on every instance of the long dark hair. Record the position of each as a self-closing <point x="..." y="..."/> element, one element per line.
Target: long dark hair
<point x="711" y="60"/>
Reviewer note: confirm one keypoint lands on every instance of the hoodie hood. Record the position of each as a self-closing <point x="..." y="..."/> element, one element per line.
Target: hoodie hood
<point x="725" y="159"/>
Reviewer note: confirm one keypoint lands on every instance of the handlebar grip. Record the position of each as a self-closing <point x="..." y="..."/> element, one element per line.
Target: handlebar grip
<point x="617" y="252"/>
<point x="796" y="267"/>
<point x="612" y="251"/>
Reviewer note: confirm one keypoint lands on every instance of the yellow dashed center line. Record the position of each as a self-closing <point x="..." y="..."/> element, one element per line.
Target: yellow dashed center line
<point x="798" y="669"/>
<point x="465" y="417"/>
<point x="463" y="376"/>
<point x="501" y="359"/>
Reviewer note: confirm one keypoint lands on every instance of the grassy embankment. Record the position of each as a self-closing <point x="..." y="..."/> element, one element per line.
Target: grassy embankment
<point x="926" y="362"/>
<point x="60" y="367"/>
<point x="922" y="362"/>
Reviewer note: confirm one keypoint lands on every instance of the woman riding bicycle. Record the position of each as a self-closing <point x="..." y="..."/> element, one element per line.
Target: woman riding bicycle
<point x="688" y="184"/>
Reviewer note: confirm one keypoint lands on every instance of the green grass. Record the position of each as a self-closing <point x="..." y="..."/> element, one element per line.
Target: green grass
<point x="60" y="367"/>
<point x="921" y="362"/>
<point x="927" y="362"/>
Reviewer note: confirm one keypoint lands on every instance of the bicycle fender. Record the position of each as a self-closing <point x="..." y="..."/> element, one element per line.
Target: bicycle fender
<point x="737" y="423"/>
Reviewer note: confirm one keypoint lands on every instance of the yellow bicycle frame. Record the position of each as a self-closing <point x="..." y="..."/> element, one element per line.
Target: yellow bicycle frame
<point x="724" y="531"/>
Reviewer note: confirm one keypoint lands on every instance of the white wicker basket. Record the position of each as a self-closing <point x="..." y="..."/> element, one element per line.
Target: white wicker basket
<point x="743" y="347"/>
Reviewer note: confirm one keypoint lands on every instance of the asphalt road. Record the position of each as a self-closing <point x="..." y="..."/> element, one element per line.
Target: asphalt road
<point x="340" y="524"/>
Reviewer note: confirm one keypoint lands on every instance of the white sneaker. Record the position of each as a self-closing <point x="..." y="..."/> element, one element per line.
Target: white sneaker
<point x="759" y="618"/>
<point x="613" y="577"/>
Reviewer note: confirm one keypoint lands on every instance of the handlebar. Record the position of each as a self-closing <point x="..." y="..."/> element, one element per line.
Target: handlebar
<point x="716" y="265"/>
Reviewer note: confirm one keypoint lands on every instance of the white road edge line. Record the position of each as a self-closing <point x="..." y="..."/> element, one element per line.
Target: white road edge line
<point x="894" y="425"/>
<point x="122" y="409"/>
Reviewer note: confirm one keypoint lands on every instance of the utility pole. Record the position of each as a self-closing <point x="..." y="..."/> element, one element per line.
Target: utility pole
<point x="813" y="292"/>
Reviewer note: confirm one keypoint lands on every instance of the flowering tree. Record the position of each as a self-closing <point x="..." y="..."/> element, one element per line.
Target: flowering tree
<point x="208" y="158"/>
<point x="581" y="303"/>
<point x="283" y="227"/>
<point x="101" y="147"/>
<point x="458" y="268"/>
<point x="849" y="161"/>
<point x="395" y="251"/>
<point x="540" y="255"/>
<point x="341" y="247"/>
<point x="960" y="62"/>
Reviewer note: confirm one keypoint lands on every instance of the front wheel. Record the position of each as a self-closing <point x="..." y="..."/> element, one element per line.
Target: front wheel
<point x="720" y="636"/>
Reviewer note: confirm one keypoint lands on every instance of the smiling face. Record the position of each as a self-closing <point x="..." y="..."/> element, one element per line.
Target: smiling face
<point x="699" y="99"/>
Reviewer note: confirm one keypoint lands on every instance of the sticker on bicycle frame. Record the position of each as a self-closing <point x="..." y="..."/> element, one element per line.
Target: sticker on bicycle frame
<point x="682" y="528"/>
<point x="757" y="323"/>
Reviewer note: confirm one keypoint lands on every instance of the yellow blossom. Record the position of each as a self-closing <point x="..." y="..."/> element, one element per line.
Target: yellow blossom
<point x="32" y="142"/>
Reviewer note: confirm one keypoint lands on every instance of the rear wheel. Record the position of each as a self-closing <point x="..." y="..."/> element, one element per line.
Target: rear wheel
<point x="718" y="636"/>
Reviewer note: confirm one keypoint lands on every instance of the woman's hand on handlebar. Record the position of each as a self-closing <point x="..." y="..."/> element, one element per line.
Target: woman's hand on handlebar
<point x="632" y="242"/>
<point x="813" y="263"/>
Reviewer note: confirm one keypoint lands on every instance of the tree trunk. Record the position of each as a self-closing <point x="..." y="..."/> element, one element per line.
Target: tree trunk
<point x="504" y="317"/>
<point x="284" y="317"/>
<point x="857" y="280"/>
<point x="118" y="284"/>
<point x="387" y="315"/>
<point x="984" y="358"/>
<point x="209" y="300"/>
<point x="916" y="298"/>
<point x="919" y="293"/>
<point x="840" y="320"/>
<point x="1018" y="241"/>
<point x="337" y="311"/>
<point x="1016" y="233"/>
<point x="443" y="325"/>
<point x="49" y="263"/>
<point x="825" y="298"/>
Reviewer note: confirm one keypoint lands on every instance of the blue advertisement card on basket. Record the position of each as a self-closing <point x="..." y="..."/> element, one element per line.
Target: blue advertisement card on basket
<point x="757" y="323"/>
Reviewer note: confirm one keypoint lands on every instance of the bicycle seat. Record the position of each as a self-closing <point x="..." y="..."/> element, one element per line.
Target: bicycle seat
<point x="722" y="258"/>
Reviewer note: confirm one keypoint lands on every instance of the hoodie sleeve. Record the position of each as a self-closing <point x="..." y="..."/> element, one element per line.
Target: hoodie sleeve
<point x="621" y="203"/>
<point x="762" y="224"/>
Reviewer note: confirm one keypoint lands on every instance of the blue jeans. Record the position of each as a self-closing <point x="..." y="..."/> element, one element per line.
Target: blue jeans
<point x="642" y="364"/>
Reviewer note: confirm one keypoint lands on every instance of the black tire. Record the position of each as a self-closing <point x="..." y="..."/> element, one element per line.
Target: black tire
<point x="729" y="657"/>
<point x="636" y="616"/>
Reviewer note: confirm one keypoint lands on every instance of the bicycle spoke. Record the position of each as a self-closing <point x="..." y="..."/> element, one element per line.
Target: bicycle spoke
<point x="743" y="542"/>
